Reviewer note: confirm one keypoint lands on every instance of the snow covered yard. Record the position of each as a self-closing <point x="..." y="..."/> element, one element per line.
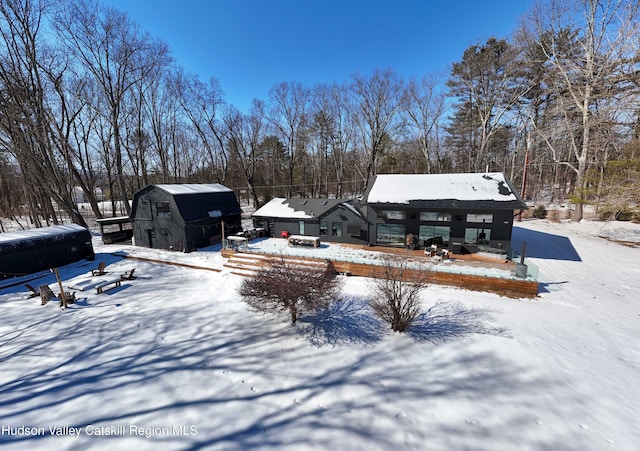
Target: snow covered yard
<point x="174" y="360"/>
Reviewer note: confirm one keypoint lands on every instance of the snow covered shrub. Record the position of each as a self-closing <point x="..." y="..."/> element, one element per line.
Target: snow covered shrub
<point x="291" y="287"/>
<point x="539" y="212"/>
<point x="609" y="213"/>
<point x="396" y="294"/>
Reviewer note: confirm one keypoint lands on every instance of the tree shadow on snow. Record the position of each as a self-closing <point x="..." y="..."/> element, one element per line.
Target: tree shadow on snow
<point x="349" y="321"/>
<point x="147" y="368"/>
<point x="447" y="321"/>
<point x="544" y="245"/>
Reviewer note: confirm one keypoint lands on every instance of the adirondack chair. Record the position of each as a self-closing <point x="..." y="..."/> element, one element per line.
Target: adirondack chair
<point x="100" y="271"/>
<point x="33" y="292"/>
<point x="70" y="298"/>
<point x="46" y="294"/>
<point x="128" y="275"/>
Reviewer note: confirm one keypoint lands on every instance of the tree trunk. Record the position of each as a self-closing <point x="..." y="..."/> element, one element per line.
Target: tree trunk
<point x="294" y="313"/>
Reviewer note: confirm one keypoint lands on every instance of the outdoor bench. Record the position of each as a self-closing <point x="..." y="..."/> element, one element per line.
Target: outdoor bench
<point x="107" y="284"/>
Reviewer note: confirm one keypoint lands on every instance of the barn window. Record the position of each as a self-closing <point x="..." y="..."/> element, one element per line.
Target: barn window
<point x="163" y="209"/>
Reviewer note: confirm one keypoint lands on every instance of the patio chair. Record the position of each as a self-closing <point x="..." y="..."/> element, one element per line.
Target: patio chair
<point x="100" y="271"/>
<point x="33" y="292"/>
<point x="442" y="254"/>
<point x="46" y="294"/>
<point x="128" y="275"/>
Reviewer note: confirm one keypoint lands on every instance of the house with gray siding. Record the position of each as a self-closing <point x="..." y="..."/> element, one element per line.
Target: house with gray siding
<point x="333" y="220"/>
<point x="466" y="213"/>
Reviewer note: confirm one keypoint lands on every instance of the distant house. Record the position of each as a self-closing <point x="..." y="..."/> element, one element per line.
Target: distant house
<point x="329" y="219"/>
<point x="464" y="212"/>
<point x="184" y="217"/>
<point x="30" y="251"/>
<point x="78" y="196"/>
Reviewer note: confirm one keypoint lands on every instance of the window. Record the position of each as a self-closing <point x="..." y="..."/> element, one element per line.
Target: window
<point x="477" y="236"/>
<point x="480" y="218"/>
<point x="390" y="235"/>
<point x="396" y="215"/>
<point x="435" y="216"/>
<point x="163" y="210"/>
<point x="324" y="228"/>
<point x="301" y="227"/>
<point x="336" y="229"/>
<point x="429" y="235"/>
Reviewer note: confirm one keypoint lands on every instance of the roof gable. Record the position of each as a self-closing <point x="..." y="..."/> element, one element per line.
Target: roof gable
<point x="297" y="208"/>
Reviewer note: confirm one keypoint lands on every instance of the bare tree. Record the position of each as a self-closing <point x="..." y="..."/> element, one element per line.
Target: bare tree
<point x="589" y="47"/>
<point x="162" y="106"/>
<point x="291" y="288"/>
<point x="27" y="72"/>
<point x="423" y="105"/>
<point x="377" y="100"/>
<point x="396" y="294"/>
<point x="111" y="48"/>
<point x="202" y="103"/>
<point x="74" y="133"/>
<point x="287" y="113"/>
<point x="245" y="134"/>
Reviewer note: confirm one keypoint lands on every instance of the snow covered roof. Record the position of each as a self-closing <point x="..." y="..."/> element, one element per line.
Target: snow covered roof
<point x="43" y="232"/>
<point x="278" y="207"/>
<point x="302" y="208"/>
<point x="194" y="201"/>
<point x="405" y="188"/>
<point x="191" y="188"/>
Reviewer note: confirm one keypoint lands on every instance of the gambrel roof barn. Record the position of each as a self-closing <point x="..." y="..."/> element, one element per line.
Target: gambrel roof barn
<point x="184" y="217"/>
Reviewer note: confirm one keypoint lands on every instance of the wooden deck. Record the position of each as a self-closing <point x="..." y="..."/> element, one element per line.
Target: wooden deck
<point x="247" y="263"/>
<point x="507" y="287"/>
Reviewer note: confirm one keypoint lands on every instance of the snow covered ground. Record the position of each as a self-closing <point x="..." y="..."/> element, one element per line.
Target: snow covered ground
<point x="174" y="360"/>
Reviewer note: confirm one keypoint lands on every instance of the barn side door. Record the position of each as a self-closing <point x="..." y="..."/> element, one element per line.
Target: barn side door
<point x="151" y="235"/>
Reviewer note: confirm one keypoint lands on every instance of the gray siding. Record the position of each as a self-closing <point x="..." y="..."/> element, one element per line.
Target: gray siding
<point x="159" y="223"/>
<point x="498" y="231"/>
<point x="342" y="226"/>
<point x="158" y="231"/>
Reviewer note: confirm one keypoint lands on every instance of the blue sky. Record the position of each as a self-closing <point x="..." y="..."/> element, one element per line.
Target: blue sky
<point x="251" y="45"/>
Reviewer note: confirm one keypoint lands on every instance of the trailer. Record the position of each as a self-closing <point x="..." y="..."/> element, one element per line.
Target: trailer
<point x="30" y="251"/>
